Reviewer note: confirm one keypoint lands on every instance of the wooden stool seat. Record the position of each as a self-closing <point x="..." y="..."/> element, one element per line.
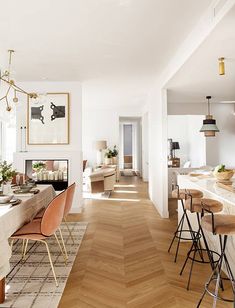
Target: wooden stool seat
<point x="208" y="204"/>
<point x="180" y="194"/>
<point x="223" y="224"/>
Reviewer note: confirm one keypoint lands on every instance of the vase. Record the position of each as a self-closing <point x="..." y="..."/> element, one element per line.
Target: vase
<point x="6" y="188"/>
<point x="108" y="161"/>
<point x="114" y="160"/>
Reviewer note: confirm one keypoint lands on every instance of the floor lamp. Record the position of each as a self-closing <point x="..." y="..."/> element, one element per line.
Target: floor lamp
<point x="100" y="146"/>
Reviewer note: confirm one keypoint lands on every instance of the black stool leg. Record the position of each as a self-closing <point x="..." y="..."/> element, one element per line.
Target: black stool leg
<point x="231" y="277"/>
<point x="178" y="227"/>
<point x="210" y="256"/>
<point x="179" y="230"/>
<point x="216" y="274"/>
<point x="223" y="246"/>
<point x="179" y="238"/>
<point x="195" y="247"/>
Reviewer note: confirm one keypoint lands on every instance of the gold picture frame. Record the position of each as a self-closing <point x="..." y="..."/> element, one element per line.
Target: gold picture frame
<point x="55" y="117"/>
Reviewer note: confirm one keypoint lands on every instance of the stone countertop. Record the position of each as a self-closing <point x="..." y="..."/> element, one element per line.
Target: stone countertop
<point x="209" y="184"/>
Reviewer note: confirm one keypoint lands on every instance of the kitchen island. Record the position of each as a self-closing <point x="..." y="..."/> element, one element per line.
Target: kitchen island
<point x="207" y="184"/>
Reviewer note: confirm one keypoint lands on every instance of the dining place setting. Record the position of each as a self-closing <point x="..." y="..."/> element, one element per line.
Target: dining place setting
<point x="16" y="192"/>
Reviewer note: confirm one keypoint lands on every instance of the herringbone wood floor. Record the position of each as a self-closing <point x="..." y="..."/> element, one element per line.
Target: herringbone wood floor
<point x="123" y="259"/>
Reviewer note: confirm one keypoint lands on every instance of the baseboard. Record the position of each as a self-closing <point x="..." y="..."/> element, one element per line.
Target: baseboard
<point x="76" y="210"/>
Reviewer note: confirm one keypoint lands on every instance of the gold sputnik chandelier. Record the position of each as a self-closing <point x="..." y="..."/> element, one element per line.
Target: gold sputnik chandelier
<point x="12" y="88"/>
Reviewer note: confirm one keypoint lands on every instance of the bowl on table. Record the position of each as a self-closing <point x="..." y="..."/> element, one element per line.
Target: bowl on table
<point x="30" y="183"/>
<point x="224" y="176"/>
<point x="5" y="199"/>
<point x="25" y="188"/>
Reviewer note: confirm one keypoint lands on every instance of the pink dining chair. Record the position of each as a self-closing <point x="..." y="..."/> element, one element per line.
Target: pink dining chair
<point x="68" y="204"/>
<point x="41" y="228"/>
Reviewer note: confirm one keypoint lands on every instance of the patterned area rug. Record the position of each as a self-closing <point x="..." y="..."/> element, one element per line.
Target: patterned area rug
<point x="128" y="173"/>
<point x="30" y="283"/>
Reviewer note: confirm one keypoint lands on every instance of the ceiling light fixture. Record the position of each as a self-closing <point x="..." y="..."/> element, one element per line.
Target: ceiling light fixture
<point x="221" y="66"/>
<point x="209" y="127"/>
<point x="11" y="86"/>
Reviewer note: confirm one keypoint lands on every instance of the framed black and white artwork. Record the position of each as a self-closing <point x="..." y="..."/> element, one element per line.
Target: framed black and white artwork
<point x="48" y="119"/>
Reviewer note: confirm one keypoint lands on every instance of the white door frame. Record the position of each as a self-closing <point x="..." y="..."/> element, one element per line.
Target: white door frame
<point x="136" y="139"/>
<point x="121" y="148"/>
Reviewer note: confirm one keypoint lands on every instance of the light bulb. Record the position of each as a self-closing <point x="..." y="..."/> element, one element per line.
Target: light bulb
<point x="15" y="99"/>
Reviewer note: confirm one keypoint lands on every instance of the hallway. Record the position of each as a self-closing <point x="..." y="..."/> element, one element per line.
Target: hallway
<point x="123" y="259"/>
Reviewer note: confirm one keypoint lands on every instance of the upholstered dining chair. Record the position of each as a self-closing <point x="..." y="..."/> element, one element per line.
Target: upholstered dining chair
<point x="68" y="204"/>
<point x="41" y="228"/>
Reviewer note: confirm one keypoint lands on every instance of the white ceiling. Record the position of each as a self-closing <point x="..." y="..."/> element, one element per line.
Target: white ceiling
<point x="94" y="39"/>
<point x="199" y="75"/>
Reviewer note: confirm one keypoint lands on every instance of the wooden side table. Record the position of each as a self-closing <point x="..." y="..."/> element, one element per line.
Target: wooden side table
<point x="174" y="162"/>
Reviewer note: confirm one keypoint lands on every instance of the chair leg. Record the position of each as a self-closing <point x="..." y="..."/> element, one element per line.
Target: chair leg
<point x="63" y="244"/>
<point x="51" y="263"/>
<point x="58" y="242"/>
<point x="11" y="244"/>
<point x="25" y="249"/>
<point x="70" y="233"/>
<point x="22" y="248"/>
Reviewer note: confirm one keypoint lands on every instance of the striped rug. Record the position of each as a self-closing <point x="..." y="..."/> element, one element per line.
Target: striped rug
<point x="30" y="284"/>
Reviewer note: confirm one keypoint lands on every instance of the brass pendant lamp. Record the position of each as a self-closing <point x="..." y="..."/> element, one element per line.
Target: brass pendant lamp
<point x="209" y="127"/>
<point x="11" y="86"/>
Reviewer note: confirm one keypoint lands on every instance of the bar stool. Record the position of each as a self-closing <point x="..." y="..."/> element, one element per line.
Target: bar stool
<point x="197" y="205"/>
<point x="181" y="195"/>
<point x="222" y="225"/>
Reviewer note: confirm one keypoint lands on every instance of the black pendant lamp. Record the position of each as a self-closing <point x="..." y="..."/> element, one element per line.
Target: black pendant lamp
<point x="209" y="127"/>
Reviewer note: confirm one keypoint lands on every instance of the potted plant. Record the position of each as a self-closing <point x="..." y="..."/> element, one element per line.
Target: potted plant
<point x="108" y="157"/>
<point x="6" y="174"/>
<point x="114" y="155"/>
<point x="38" y="166"/>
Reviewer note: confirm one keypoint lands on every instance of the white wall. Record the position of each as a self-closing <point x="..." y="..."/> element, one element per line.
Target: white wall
<point x="75" y="145"/>
<point x="158" y="171"/>
<point x="219" y="149"/>
<point x="197" y="141"/>
<point x="177" y="132"/>
<point x="185" y="130"/>
<point x="8" y="128"/>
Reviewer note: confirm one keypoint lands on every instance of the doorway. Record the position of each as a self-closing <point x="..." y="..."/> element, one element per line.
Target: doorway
<point x="130" y="140"/>
<point x="128" y="146"/>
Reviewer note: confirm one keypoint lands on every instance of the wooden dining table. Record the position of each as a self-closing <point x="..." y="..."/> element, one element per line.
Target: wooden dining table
<point x="14" y="217"/>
